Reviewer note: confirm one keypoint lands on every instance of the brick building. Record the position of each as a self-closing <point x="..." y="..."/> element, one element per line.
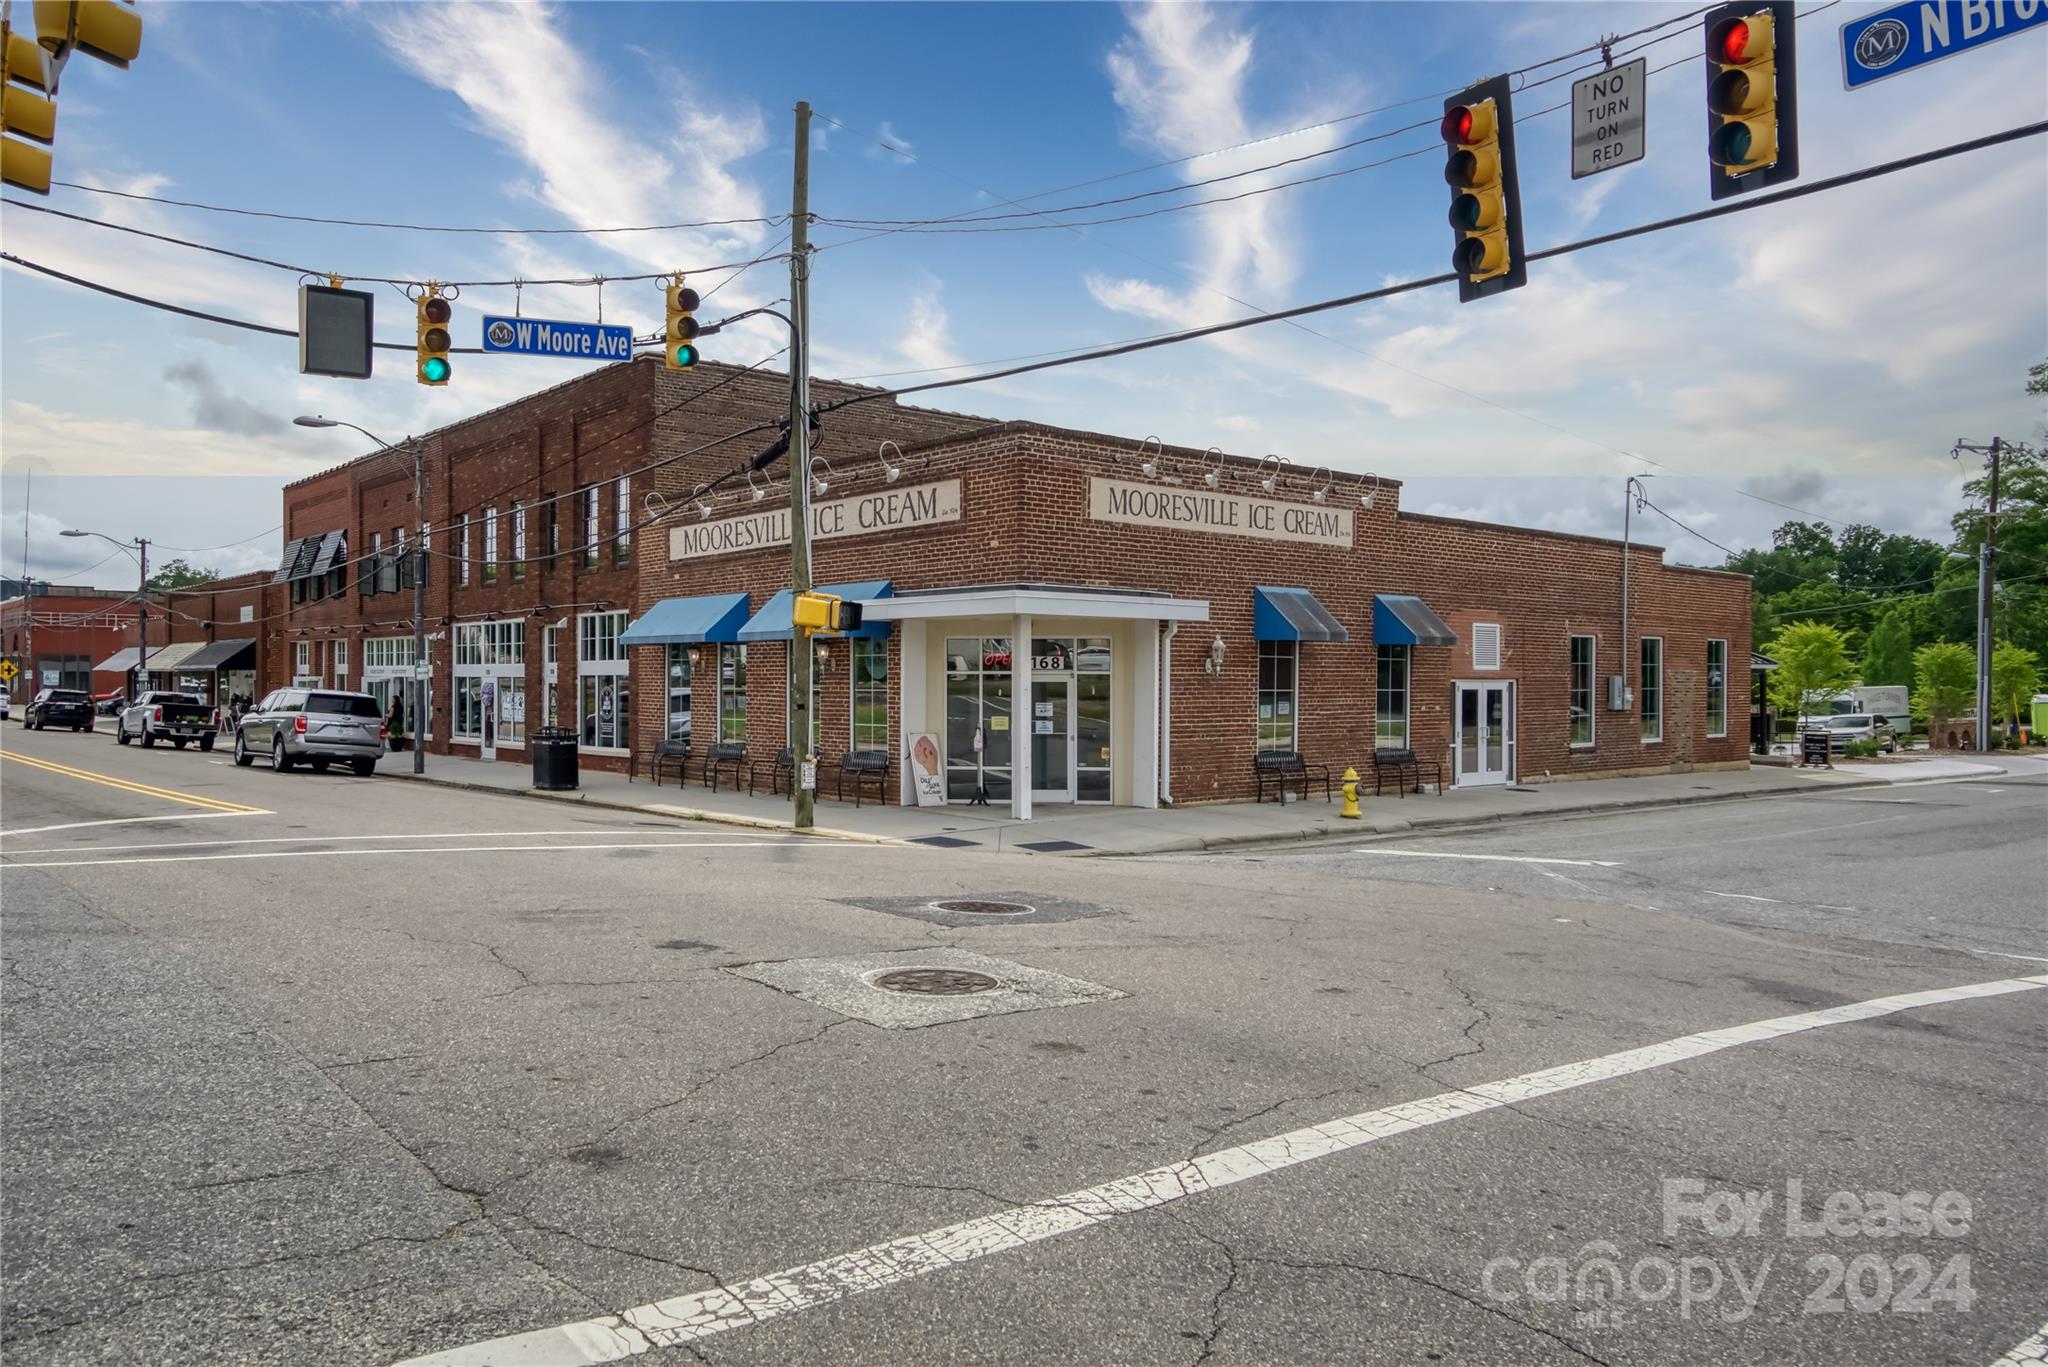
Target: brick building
<point x="60" y="635"/>
<point x="1060" y="616"/>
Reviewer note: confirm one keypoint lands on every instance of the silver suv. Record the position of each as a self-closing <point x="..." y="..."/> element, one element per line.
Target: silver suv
<point x="313" y="726"/>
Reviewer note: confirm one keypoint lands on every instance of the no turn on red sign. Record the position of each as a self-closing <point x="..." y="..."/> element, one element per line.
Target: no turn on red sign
<point x="1607" y="118"/>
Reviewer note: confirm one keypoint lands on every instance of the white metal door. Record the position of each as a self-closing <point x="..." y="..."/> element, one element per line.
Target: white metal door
<point x="1483" y="718"/>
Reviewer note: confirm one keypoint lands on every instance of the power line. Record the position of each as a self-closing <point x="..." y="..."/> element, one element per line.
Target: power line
<point x="364" y="279"/>
<point x="225" y="545"/>
<point x="1409" y="286"/>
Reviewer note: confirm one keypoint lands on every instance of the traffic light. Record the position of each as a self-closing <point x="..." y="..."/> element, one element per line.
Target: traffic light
<point x="434" y="311"/>
<point x="1752" y="96"/>
<point x="26" y="111"/>
<point x="1486" y="194"/>
<point x="679" y="338"/>
<point x="107" y="29"/>
<point x="814" y="612"/>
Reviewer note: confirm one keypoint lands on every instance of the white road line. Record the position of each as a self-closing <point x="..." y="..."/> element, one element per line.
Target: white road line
<point x="2024" y="958"/>
<point x="135" y="820"/>
<point x="16" y="860"/>
<point x="2032" y="1353"/>
<point x="311" y="839"/>
<point x="701" y="1314"/>
<point x="1742" y="896"/>
<point x="1490" y="858"/>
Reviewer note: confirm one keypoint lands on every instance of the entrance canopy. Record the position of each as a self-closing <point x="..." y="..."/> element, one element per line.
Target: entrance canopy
<point x="220" y="655"/>
<point x="1402" y="619"/>
<point x="1293" y="615"/>
<point x="120" y="662"/>
<point x="172" y="656"/>
<point x="714" y="617"/>
<point x="1037" y="600"/>
<point x="772" y="622"/>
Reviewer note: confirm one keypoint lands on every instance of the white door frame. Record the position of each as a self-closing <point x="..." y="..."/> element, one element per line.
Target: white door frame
<point x="1482" y="776"/>
<point x="1038" y="793"/>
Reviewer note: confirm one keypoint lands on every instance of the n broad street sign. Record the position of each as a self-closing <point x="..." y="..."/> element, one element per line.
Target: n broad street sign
<point x="546" y="337"/>
<point x="1607" y="118"/>
<point x="1904" y="36"/>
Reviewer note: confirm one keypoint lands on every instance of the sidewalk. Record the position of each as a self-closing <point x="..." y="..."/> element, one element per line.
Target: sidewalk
<point x="1137" y="830"/>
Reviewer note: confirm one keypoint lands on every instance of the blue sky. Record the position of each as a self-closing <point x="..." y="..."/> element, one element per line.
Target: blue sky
<point x="1824" y="354"/>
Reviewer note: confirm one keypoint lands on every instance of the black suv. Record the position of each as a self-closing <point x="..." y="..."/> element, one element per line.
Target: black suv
<point x="61" y="707"/>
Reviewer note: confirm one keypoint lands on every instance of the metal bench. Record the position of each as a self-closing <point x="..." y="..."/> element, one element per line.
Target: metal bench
<point x="781" y="774"/>
<point x="863" y="766"/>
<point x="1282" y="767"/>
<point x="727" y="754"/>
<point x="668" y="754"/>
<point x="1400" y="765"/>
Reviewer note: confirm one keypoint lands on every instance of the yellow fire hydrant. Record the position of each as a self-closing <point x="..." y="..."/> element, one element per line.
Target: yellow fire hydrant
<point x="1350" y="794"/>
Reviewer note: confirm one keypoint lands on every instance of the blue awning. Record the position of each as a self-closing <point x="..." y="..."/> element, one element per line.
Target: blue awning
<point x="772" y="622"/>
<point x="1402" y="619"/>
<point x="689" y="621"/>
<point x="1293" y="615"/>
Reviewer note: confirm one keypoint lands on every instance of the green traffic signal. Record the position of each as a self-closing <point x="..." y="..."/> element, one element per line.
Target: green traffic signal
<point x="684" y="356"/>
<point x="434" y="370"/>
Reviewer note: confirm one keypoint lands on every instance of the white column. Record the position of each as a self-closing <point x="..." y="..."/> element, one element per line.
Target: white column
<point x="911" y="672"/>
<point x="1020" y="717"/>
<point x="1166" y="714"/>
<point x="1144" y="686"/>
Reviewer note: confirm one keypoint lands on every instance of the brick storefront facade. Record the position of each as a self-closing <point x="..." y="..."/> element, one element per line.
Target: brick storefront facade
<point x="1028" y="498"/>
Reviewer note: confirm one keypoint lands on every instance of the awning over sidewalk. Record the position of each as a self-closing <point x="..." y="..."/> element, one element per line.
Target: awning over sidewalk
<point x="216" y="655"/>
<point x="772" y="622"/>
<point x="1761" y="662"/>
<point x="713" y="617"/>
<point x="1293" y="615"/>
<point x="1402" y="619"/>
<point x="172" y="656"/>
<point x="120" y="662"/>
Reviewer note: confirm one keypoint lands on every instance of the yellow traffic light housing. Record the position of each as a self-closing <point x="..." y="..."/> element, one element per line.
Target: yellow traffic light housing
<point x="811" y="613"/>
<point x="26" y="111"/>
<point x="1752" y="96"/>
<point x="679" y="335"/>
<point x="107" y="29"/>
<point x="1486" y="200"/>
<point x="435" y="312"/>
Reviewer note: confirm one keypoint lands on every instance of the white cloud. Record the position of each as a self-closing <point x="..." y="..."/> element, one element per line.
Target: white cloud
<point x="80" y="445"/>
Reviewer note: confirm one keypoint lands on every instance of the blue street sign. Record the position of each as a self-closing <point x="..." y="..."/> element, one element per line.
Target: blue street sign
<point x="577" y="341"/>
<point x="1901" y="37"/>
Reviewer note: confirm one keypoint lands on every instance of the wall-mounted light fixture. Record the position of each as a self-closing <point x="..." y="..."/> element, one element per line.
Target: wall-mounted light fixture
<point x="1214" y="663"/>
<point x="1270" y="478"/>
<point x="1215" y="472"/>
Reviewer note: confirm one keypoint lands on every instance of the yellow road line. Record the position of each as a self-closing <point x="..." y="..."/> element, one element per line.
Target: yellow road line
<point x="127" y="786"/>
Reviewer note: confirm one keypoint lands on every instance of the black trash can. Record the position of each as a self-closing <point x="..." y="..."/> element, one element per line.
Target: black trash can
<point x="554" y="759"/>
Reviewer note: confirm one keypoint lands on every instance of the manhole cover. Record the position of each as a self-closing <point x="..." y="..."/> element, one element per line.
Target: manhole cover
<point x="936" y="982"/>
<point x="974" y="908"/>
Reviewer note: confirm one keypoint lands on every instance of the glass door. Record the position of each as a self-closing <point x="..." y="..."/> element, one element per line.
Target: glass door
<point x="1485" y="748"/>
<point x="1052" y="740"/>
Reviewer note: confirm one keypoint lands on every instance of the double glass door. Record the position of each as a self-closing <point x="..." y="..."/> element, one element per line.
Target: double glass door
<point x="1485" y="748"/>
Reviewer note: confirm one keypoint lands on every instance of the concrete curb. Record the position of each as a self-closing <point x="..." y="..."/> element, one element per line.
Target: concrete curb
<point x="653" y="808"/>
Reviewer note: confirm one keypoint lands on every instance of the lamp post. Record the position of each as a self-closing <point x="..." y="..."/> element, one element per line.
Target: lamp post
<point x="419" y="579"/>
<point x="1632" y="497"/>
<point x="139" y="548"/>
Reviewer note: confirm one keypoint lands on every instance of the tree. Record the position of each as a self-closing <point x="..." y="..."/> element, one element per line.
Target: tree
<point x="1813" y="661"/>
<point x="176" y="574"/>
<point x="1944" y="685"/>
<point x="2015" y="679"/>
<point x="1888" y="654"/>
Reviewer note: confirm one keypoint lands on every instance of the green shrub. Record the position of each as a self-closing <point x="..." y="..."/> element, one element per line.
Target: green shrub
<point x="1860" y="749"/>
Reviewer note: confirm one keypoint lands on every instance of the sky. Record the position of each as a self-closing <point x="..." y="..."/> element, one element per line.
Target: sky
<point x="1821" y="356"/>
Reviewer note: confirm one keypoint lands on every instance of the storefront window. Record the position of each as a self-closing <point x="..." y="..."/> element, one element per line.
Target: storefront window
<point x="1653" y="688"/>
<point x="604" y="703"/>
<point x="680" y="673"/>
<point x="1277" y="661"/>
<point x="1390" y="724"/>
<point x="1717" y="688"/>
<point x="870" y="695"/>
<point x="1582" y="690"/>
<point x="978" y="708"/>
<point x="732" y="692"/>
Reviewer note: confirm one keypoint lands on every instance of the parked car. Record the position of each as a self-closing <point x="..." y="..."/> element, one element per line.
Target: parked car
<point x="314" y="726"/>
<point x="6" y="707"/>
<point x="58" y="707"/>
<point x="1850" y="726"/>
<point x="179" y="718"/>
<point x="110" y="704"/>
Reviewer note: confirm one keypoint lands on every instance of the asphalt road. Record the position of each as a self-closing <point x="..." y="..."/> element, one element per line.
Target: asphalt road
<point x="372" y="1071"/>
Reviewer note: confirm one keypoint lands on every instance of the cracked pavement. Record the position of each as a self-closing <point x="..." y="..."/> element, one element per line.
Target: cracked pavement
<point x="263" y="1112"/>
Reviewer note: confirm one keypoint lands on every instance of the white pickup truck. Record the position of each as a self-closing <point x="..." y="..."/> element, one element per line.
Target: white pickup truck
<point x="178" y="718"/>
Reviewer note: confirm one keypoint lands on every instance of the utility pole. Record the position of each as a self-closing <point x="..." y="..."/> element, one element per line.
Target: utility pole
<point x="419" y="610"/>
<point x="142" y="620"/>
<point x="800" y="655"/>
<point x="1987" y="579"/>
<point x="1631" y="494"/>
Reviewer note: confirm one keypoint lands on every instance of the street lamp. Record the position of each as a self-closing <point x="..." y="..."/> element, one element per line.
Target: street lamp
<point x="140" y="550"/>
<point x="419" y="577"/>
